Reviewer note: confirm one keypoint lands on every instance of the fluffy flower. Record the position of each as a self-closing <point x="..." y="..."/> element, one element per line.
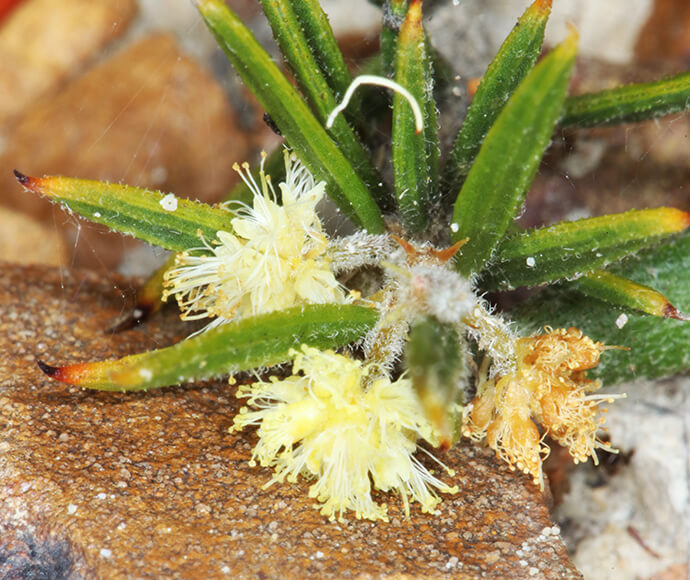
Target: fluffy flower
<point x="548" y="388"/>
<point x="275" y="258"/>
<point x="325" y="423"/>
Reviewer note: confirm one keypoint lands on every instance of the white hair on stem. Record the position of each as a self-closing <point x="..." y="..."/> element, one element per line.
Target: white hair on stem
<point x="381" y="82"/>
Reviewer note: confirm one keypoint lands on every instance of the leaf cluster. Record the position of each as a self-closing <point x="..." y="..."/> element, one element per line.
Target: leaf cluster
<point x="475" y="191"/>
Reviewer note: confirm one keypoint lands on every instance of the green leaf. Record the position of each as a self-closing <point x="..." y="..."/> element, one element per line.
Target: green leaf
<point x="658" y="347"/>
<point x="297" y="50"/>
<point x="394" y="12"/>
<point x="436" y="365"/>
<point x="570" y="249"/>
<point x="507" y="161"/>
<point x="163" y="220"/>
<point x="637" y="102"/>
<point x="303" y="131"/>
<point x="319" y="35"/>
<point x="253" y="342"/>
<point x="509" y="67"/>
<point x="415" y="155"/>
<point x="624" y="293"/>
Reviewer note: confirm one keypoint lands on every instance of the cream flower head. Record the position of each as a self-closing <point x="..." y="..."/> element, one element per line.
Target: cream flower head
<point x="325" y="424"/>
<point x="274" y="258"/>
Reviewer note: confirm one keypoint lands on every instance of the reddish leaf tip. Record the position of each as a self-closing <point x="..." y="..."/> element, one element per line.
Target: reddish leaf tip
<point x="46" y="368"/>
<point x="686" y="216"/>
<point x="413" y="21"/>
<point x="27" y="182"/>
<point x="21" y="178"/>
<point x="670" y="311"/>
<point x="674" y="220"/>
<point x="542" y="5"/>
<point x="70" y="374"/>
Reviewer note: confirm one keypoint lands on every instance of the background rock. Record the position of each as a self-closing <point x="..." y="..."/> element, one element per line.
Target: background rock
<point x="151" y="484"/>
<point x="28" y="241"/>
<point x="149" y="117"/>
<point x="43" y="42"/>
<point x="633" y="521"/>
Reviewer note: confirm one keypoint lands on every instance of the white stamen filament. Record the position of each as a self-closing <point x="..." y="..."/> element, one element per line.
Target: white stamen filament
<point x="381" y="82"/>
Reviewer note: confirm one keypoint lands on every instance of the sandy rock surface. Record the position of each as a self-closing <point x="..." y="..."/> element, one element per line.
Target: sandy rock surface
<point x="151" y="484"/>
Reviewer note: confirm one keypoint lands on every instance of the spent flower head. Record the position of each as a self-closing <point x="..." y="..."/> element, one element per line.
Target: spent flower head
<point x="548" y="387"/>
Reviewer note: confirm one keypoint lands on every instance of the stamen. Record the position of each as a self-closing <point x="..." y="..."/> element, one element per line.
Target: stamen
<point x="381" y="82"/>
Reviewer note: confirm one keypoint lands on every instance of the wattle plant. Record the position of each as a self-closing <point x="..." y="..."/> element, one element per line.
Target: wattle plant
<point x="391" y="339"/>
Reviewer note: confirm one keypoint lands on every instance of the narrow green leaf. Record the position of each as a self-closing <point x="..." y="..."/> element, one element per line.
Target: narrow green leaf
<point x="295" y="46"/>
<point x="415" y="155"/>
<point x="509" y="157"/>
<point x="569" y="249"/>
<point x="394" y="12"/>
<point x="299" y="126"/>
<point x="624" y="293"/>
<point x="253" y="342"/>
<point x="319" y="35"/>
<point x="509" y="67"/>
<point x="163" y="220"/>
<point x="637" y="102"/>
<point x="436" y="365"/>
<point x="658" y="347"/>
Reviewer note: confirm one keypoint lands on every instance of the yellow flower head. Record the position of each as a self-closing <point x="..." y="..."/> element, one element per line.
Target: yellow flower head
<point x="548" y="388"/>
<point x="275" y="258"/>
<point x="324" y="423"/>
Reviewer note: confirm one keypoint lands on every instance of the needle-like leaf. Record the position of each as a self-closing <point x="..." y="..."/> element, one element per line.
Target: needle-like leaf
<point x="509" y="67"/>
<point x="163" y="220"/>
<point x="394" y="12"/>
<point x="570" y="249"/>
<point x="637" y="102"/>
<point x="658" y="347"/>
<point x="509" y="157"/>
<point x="437" y="368"/>
<point x="296" y="47"/>
<point x="624" y="293"/>
<point x="292" y="116"/>
<point x="415" y="155"/>
<point x="253" y="342"/>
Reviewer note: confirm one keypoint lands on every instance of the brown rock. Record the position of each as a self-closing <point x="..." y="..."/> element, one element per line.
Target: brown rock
<point x="666" y="35"/>
<point x="676" y="572"/>
<point x="43" y="42"/>
<point x="27" y="241"/>
<point x="151" y="484"/>
<point x="149" y="117"/>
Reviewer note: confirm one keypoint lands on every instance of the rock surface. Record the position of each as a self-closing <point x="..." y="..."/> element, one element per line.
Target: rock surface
<point x="631" y="518"/>
<point x="43" y="42"/>
<point x="149" y="117"/>
<point x="28" y="241"/>
<point x="666" y="35"/>
<point x="151" y="484"/>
